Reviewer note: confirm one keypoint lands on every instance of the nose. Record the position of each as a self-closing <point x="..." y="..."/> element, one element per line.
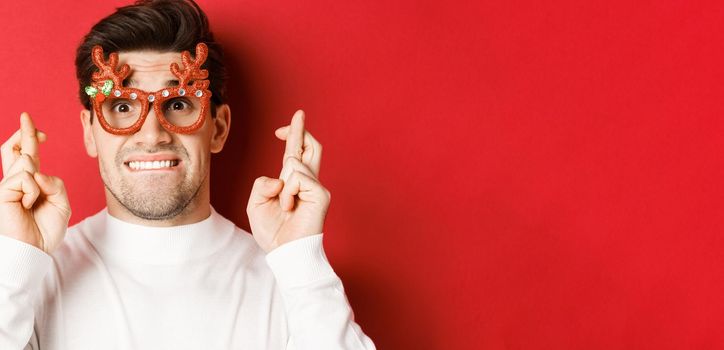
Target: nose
<point x="152" y="132"/>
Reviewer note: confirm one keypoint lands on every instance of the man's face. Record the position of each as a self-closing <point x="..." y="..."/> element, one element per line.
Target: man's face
<point x="155" y="174"/>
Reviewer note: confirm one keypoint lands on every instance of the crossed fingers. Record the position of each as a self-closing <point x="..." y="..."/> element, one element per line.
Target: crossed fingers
<point x="303" y="152"/>
<point x="300" y="165"/>
<point x="20" y="151"/>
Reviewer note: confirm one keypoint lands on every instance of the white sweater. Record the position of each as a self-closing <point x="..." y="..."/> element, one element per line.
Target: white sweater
<point x="115" y="285"/>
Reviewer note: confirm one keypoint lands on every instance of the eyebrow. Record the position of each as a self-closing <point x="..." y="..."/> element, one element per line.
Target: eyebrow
<point x="131" y="83"/>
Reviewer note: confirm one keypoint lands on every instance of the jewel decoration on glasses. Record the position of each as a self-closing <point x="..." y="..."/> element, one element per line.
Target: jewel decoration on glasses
<point x="105" y="90"/>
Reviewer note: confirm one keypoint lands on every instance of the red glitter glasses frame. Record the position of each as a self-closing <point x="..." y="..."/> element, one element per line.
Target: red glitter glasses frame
<point x="109" y="80"/>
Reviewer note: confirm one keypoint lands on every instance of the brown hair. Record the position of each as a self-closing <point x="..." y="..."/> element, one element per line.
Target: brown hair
<point x="159" y="25"/>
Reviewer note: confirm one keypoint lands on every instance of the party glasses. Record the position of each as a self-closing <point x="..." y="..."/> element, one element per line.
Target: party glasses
<point x="122" y="110"/>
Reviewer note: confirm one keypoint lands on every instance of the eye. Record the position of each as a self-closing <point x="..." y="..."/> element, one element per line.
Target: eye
<point x="178" y="104"/>
<point x="122" y="107"/>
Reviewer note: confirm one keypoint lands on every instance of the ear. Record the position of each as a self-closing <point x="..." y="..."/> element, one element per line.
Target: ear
<point x="88" y="139"/>
<point x="221" y="123"/>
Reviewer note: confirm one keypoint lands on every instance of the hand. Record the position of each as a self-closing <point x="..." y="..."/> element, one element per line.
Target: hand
<point x="294" y="205"/>
<point x="34" y="207"/>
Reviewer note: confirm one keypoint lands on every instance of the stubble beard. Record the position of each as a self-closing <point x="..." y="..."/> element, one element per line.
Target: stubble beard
<point x="152" y="202"/>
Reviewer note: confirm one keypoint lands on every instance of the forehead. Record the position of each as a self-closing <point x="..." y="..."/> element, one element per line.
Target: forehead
<point x="149" y="66"/>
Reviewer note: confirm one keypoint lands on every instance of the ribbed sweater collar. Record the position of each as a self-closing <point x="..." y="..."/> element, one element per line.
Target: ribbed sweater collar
<point x="125" y="241"/>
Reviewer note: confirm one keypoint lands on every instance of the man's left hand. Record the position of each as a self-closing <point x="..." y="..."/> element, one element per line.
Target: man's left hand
<point x="294" y="205"/>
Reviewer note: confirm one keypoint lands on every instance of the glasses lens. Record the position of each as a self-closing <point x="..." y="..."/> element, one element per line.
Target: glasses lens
<point x="121" y="112"/>
<point x="182" y="110"/>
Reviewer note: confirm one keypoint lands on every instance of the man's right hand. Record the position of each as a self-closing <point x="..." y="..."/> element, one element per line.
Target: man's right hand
<point x="34" y="207"/>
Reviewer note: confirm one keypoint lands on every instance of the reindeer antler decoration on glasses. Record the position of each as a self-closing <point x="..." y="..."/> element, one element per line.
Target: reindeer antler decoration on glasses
<point x="123" y="110"/>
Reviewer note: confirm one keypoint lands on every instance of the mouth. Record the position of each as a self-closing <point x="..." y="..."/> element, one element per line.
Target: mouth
<point x="146" y="165"/>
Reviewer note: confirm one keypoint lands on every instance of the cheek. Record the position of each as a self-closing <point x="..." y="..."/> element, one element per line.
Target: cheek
<point x="108" y="158"/>
<point x="107" y="148"/>
<point x="200" y="156"/>
<point x="198" y="149"/>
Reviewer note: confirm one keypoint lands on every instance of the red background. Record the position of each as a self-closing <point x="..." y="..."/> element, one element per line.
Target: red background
<point x="504" y="175"/>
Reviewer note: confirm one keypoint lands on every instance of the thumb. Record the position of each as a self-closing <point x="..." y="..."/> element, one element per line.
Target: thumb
<point x="264" y="189"/>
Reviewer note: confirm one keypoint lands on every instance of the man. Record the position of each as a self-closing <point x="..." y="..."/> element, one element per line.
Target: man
<point x="159" y="268"/>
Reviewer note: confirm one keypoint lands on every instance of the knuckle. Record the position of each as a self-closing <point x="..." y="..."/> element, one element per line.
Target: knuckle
<point x="291" y="165"/>
<point x="290" y="160"/>
<point x="290" y="178"/>
<point x="259" y="180"/>
<point x="294" y="176"/>
<point x="25" y="175"/>
<point x="26" y="162"/>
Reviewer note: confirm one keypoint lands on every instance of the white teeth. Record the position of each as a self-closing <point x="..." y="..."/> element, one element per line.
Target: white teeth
<point x="156" y="164"/>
